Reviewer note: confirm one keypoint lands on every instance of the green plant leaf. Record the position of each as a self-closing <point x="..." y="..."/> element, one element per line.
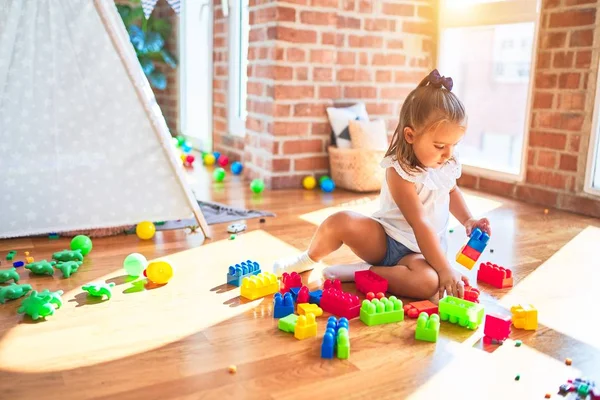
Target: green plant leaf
<point x="161" y="26"/>
<point x="158" y="80"/>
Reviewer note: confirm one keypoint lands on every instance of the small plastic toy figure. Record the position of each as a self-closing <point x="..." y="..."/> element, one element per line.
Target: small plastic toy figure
<point x="68" y="268"/>
<point x="36" y="306"/>
<point x="68" y="255"/>
<point x="99" y="289"/>
<point x="41" y="267"/>
<point x="13" y="291"/>
<point x="8" y="274"/>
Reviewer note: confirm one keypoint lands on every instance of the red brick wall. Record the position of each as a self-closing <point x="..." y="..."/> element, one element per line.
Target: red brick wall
<point x="561" y="118"/>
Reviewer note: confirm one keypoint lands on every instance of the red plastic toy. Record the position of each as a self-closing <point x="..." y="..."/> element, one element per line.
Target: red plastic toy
<point x="289" y="281"/>
<point x="495" y="275"/>
<point x="371" y="296"/>
<point x="329" y="283"/>
<point x="414" y="309"/>
<point x="472" y="294"/>
<point x="368" y="281"/>
<point x="340" y="303"/>
<point x="303" y="295"/>
<point x="497" y="328"/>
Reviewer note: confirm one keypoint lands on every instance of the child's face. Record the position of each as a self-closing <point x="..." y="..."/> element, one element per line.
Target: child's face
<point x="435" y="147"/>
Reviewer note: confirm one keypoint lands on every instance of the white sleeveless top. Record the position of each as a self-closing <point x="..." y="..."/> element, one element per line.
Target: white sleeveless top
<point x="433" y="188"/>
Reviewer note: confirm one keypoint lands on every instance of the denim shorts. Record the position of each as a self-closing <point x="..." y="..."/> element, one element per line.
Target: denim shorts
<point x="394" y="252"/>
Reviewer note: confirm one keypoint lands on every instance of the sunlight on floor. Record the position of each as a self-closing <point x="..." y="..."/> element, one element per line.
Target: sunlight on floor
<point x="135" y="320"/>
<point x="564" y="289"/>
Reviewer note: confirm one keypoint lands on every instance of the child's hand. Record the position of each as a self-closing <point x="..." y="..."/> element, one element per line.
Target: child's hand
<point x="483" y="224"/>
<point x="453" y="283"/>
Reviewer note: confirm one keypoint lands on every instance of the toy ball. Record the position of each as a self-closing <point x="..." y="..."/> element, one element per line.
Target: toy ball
<point x="257" y="185"/>
<point x="327" y="185"/>
<point x="134" y="264"/>
<point x="237" y="167"/>
<point x="219" y="174"/>
<point x="180" y="140"/>
<point x="216" y="154"/>
<point x="190" y="159"/>
<point x="159" y="272"/>
<point x="83" y="243"/>
<point x="223" y="160"/>
<point x="209" y="159"/>
<point x="309" y="182"/>
<point x="145" y="230"/>
<point x="186" y="147"/>
<point x="323" y="178"/>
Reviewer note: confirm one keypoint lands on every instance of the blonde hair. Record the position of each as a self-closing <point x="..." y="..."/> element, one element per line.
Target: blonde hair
<point x="430" y="104"/>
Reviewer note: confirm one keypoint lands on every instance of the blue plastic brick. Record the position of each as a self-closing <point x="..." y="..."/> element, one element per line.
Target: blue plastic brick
<point x="330" y="338"/>
<point x="294" y="292"/>
<point x="315" y="297"/>
<point x="478" y="240"/>
<point x="240" y="271"/>
<point x="17" y="264"/>
<point x="282" y="305"/>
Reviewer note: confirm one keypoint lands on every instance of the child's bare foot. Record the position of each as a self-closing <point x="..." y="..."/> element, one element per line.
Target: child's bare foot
<point x="344" y="272"/>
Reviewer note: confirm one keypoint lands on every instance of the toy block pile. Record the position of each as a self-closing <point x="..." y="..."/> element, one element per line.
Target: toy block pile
<point x="470" y="252"/>
<point x="240" y="271"/>
<point x="381" y="311"/>
<point x="336" y="340"/>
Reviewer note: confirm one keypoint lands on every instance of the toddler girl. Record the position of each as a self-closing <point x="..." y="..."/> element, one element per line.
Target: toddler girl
<point x="405" y="240"/>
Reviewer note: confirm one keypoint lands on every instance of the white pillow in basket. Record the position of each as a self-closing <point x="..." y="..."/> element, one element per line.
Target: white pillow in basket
<point x="339" y="119"/>
<point x="369" y="135"/>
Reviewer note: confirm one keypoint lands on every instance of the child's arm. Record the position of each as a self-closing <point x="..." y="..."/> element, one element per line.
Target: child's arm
<point x="406" y="198"/>
<point x="460" y="210"/>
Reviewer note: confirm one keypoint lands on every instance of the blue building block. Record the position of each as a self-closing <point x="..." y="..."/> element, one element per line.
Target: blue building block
<point x="17" y="264"/>
<point x="330" y="338"/>
<point x="478" y="240"/>
<point x="282" y="305"/>
<point x="294" y="292"/>
<point x="240" y="271"/>
<point x="315" y="297"/>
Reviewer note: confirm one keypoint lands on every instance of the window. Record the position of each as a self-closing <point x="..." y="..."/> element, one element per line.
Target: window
<point x="592" y="181"/>
<point x="487" y="47"/>
<point x="238" y="63"/>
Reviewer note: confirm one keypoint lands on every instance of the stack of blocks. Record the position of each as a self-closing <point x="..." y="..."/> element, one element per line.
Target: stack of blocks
<point x="524" y="317"/>
<point x="240" y="271"/>
<point x="289" y="281"/>
<point x="381" y="311"/>
<point x="470" y="252"/>
<point x="462" y="312"/>
<point x="428" y="327"/>
<point x="415" y="309"/>
<point x="495" y="275"/>
<point x="260" y="285"/>
<point x="336" y="339"/>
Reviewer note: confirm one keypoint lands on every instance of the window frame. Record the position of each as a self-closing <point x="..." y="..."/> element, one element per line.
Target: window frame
<point x="593" y="148"/>
<point x="497" y="13"/>
<point x="238" y="21"/>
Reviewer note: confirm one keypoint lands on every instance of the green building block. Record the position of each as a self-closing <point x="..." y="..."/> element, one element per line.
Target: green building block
<point x="384" y="311"/>
<point x="13" y="291"/>
<point x="11" y="255"/>
<point x="462" y="312"/>
<point x="428" y="327"/>
<point x="68" y="255"/>
<point x="343" y="344"/>
<point x="288" y="323"/>
<point x="41" y="267"/>
<point x="68" y="268"/>
<point x="8" y="274"/>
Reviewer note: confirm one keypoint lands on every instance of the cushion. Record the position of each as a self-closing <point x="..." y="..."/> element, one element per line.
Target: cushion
<point x="369" y="135"/>
<point x="339" y="119"/>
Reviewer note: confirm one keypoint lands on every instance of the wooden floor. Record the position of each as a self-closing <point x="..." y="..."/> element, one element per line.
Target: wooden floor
<point x="177" y="341"/>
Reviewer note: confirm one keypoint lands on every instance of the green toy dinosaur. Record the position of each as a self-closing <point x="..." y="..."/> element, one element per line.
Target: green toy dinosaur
<point x="36" y="306"/>
<point x="41" y="267"/>
<point x="99" y="289"/>
<point x="53" y="297"/>
<point x="13" y="291"/>
<point x="68" y="268"/>
<point x="8" y="274"/>
<point x="68" y="255"/>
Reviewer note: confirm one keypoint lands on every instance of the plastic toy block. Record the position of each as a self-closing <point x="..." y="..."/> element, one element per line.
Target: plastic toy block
<point x="28" y="258"/>
<point x="289" y="281"/>
<point x="343" y="344"/>
<point x="8" y="274"/>
<point x="13" y="291"/>
<point x="524" y="317"/>
<point x="328" y="344"/>
<point x="414" y="309"/>
<point x="288" y="323"/>
<point x="330" y="338"/>
<point x="470" y="252"/>
<point x="496" y="329"/>
<point x="371" y="295"/>
<point x="11" y="255"/>
<point x="306" y="308"/>
<point x="53" y="236"/>
<point x="495" y="275"/>
<point x="462" y="312"/>
<point x="368" y="281"/>
<point x="283" y="305"/>
<point x="42" y="267"/>
<point x="428" y="327"/>
<point x="260" y="285"/>
<point x="68" y="255"/>
<point x="465" y="261"/>
<point x="306" y="326"/>
<point x="238" y="272"/>
<point x="335" y="324"/>
<point x="384" y="311"/>
<point x="479" y="240"/>
<point x="332" y="284"/>
<point x="340" y="303"/>
<point x="294" y="292"/>
<point x="315" y="297"/>
<point x="68" y="268"/>
<point x="472" y="294"/>
<point x="18" y="264"/>
<point x="303" y="295"/>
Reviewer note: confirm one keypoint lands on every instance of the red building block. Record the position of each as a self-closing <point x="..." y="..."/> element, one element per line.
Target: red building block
<point x="368" y="281"/>
<point x="330" y="283"/>
<point x="289" y="281"/>
<point x="414" y="309"/>
<point x="495" y="275"/>
<point x="340" y="303"/>
<point x="496" y="328"/>
<point x="472" y="294"/>
<point x="471" y="252"/>
<point x="303" y="295"/>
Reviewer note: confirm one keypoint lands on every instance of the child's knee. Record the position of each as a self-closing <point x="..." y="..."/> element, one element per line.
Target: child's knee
<point x="431" y="282"/>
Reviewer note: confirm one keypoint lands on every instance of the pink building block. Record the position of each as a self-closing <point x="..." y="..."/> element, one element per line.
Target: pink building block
<point x="303" y="295"/>
<point x="497" y="328"/>
<point x="368" y="281"/>
<point x="495" y="275"/>
<point x="330" y="283"/>
<point x="340" y="303"/>
<point x="289" y="281"/>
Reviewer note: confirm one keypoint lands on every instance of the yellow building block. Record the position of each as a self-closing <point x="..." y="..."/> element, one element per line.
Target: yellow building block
<point x="306" y="326"/>
<point x="305" y="308"/>
<point x="464" y="260"/>
<point x="524" y="317"/>
<point x="259" y="285"/>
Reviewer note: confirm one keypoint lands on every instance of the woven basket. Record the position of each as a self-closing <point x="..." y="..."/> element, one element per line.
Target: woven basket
<point x="357" y="170"/>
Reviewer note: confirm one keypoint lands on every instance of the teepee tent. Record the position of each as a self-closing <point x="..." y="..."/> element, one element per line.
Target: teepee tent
<point x="83" y="143"/>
